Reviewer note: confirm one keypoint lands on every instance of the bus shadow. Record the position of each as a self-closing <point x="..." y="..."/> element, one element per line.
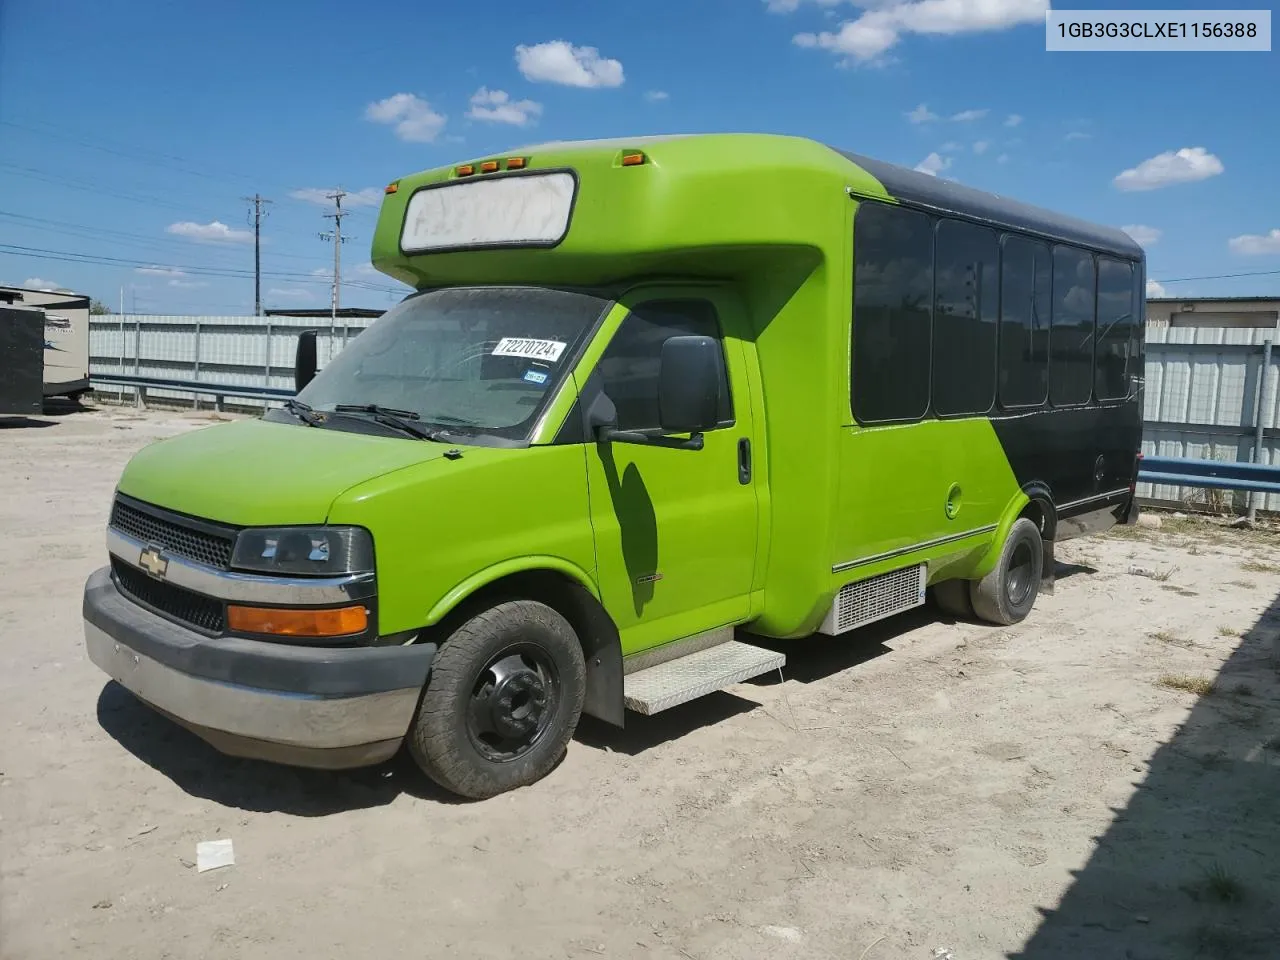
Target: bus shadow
<point x="1190" y="867"/>
<point x="253" y="785"/>
<point x="644" y="733"/>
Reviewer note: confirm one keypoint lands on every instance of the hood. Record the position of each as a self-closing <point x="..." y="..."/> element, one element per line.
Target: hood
<point x="255" y="472"/>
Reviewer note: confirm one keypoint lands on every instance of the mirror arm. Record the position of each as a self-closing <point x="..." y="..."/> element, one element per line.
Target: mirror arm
<point x="694" y="442"/>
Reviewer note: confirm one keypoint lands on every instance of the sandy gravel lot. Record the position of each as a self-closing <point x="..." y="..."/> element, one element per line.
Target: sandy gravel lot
<point x="922" y="790"/>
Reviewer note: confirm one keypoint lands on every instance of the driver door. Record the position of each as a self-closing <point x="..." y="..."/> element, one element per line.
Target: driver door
<point x="675" y="530"/>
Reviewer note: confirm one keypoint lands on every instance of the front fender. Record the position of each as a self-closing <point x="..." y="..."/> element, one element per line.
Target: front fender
<point x="478" y="581"/>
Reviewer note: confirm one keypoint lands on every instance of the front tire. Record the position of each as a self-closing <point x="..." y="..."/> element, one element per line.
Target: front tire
<point x="502" y="702"/>
<point x="1006" y="595"/>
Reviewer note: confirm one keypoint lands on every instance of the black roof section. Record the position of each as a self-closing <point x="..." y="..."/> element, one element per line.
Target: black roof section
<point x="945" y="196"/>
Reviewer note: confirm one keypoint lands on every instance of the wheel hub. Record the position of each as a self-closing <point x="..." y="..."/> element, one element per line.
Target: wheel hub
<point x="518" y="702"/>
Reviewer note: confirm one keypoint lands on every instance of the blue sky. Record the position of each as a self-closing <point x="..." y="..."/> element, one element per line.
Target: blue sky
<point x="133" y="131"/>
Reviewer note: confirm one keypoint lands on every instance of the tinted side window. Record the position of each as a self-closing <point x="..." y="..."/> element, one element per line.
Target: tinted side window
<point x="1071" y="330"/>
<point x="892" y="300"/>
<point x="629" y="365"/>
<point x="1115" y="329"/>
<point x="1026" y="277"/>
<point x="966" y="300"/>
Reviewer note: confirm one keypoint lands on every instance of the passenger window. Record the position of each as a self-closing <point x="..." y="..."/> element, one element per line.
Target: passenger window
<point x="966" y="299"/>
<point x="1026" y="277"/>
<point x="892" y="313"/>
<point x="629" y="366"/>
<point x="1071" y="329"/>
<point x="1115" y="329"/>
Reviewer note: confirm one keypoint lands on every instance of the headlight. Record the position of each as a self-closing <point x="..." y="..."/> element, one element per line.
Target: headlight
<point x="305" y="551"/>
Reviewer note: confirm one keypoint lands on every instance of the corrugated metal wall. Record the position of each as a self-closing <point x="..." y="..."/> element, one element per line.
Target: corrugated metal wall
<point x="236" y="351"/>
<point x="1202" y="383"/>
<point x="1204" y="387"/>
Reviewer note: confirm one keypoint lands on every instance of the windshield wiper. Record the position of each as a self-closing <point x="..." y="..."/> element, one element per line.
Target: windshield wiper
<point x="402" y="420"/>
<point x="302" y="411"/>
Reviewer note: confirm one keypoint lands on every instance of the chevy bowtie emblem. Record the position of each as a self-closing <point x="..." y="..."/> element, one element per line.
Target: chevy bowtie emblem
<point x="154" y="562"/>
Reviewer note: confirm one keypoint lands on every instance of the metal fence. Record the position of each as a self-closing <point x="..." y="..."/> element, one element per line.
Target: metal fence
<point x="233" y="351"/>
<point x="1211" y="393"/>
<point x="1208" y="389"/>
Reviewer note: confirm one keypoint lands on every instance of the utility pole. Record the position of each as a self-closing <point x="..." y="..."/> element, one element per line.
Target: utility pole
<point x="255" y="220"/>
<point x="338" y="240"/>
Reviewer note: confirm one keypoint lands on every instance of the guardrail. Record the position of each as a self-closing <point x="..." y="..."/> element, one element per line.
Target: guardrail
<point x="219" y="391"/>
<point x="1212" y="474"/>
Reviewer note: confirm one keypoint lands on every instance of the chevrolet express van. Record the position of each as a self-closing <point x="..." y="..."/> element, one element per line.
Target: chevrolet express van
<point x="652" y="399"/>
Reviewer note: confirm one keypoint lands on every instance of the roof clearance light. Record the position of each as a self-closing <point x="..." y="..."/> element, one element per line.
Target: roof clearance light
<point x="489" y="166"/>
<point x="633" y="158"/>
<point x="393" y="187"/>
<point x="516" y="163"/>
<point x="466" y="170"/>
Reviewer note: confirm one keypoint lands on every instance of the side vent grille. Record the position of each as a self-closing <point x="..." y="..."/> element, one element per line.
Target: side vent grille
<point x="867" y="601"/>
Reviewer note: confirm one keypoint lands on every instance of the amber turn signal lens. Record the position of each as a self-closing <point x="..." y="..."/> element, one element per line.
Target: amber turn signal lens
<point x="516" y="163"/>
<point x="338" y="622"/>
<point x="489" y="166"/>
<point x="466" y="170"/>
<point x="632" y="159"/>
<point x="392" y="187"/>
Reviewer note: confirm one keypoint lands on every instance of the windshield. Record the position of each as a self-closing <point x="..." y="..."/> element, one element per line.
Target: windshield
<point x="474" y="361"/>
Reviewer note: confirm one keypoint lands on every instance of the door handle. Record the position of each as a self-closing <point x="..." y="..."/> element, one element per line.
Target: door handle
<point x="744" y="461"/>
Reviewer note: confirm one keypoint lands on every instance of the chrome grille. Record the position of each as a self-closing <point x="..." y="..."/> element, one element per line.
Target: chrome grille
<point x="174" y="535"/>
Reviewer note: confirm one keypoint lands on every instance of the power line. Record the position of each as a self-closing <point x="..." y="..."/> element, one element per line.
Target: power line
<point x="1223" y="276"/>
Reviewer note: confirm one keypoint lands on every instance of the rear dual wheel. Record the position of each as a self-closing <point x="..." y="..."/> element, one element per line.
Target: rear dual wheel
<point x="502" y="702"/>
<point x="1005" y="595"/>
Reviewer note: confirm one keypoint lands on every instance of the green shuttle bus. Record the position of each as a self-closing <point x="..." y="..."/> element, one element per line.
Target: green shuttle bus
<point x="649" y="400"/>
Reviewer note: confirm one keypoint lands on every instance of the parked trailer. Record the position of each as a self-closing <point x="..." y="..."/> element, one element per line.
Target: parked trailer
<point x="650" y="395"/>
<point x="21" y="360"/>
<point x="66" y="338"/>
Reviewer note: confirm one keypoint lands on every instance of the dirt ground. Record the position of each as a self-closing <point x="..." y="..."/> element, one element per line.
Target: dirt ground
<point x="924" y="789"/>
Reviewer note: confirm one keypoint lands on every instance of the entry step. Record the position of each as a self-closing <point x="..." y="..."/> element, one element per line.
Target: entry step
<point x="694" y="675"/>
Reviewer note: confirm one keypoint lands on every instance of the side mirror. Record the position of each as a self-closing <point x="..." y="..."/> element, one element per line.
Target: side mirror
<point x="304" y="360"/>
<point x="689" y="384"/>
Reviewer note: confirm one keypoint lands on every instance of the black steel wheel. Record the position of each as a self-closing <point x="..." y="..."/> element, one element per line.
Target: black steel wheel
<point x="502" y="702"/>
<point x="1006" y="595"/>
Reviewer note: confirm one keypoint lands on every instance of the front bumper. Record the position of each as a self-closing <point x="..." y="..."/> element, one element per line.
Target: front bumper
<point x="305" y="706"/>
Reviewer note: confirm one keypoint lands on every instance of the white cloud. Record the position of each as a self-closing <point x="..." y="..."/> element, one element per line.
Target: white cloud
<point x="410" y="115"/>
<point x="1003" y="158"/>
<point x="951" y="146"/>
<point x="290" y="293"/>
<point x="933" y="164"/>
<point x="981" y="147"/>
<point x="214" y="231"/>
<point x="879" y="28"/>
<point x="967" y="116"/>
<point x="1154" y="289"/>
<point x="561" y="62"/>
<point x="496" y="106"/>
<point x="1143" y="236"/>
<point x="1078" y="135"/>
<point x="368" y="197"/>
<point x="657" y="96"/>
<point x="921" y="114"/>
<point x="1166" y="169"/>
<point x="39" y="283"/>
<point x="188" y="284"/>
<point x="1254" y="243"/>
<point x="1012" y="120"/>
<point x="172" y="273"/>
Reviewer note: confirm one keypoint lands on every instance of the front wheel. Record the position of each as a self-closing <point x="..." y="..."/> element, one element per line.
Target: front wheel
<point x="1006" y="595"/>
<point x="502" y="702"/>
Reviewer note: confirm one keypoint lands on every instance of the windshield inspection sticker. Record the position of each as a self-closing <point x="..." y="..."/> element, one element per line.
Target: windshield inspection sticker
<point x="533" y="349"/>
<point x="535" y="376"/>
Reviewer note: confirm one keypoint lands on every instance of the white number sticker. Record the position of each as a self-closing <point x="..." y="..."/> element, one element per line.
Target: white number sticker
<point x="549" y="350"/>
